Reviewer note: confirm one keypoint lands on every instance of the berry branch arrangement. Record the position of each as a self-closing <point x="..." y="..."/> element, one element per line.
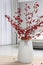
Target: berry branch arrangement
<point x="32" y="24"/>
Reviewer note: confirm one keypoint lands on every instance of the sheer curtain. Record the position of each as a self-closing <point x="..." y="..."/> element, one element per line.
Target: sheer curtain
<point x="7" y="33"/>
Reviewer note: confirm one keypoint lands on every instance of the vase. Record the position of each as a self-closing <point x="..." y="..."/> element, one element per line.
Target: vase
<point x="25" y="53"/>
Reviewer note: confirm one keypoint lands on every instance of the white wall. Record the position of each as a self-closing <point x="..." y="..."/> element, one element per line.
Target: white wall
<point x="0" y="22"/>
<point x="7" y="35"/>
<point x="24" y="0"/>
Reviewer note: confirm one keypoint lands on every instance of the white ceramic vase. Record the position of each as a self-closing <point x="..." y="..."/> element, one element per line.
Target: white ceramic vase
<point x="25" y="54"/>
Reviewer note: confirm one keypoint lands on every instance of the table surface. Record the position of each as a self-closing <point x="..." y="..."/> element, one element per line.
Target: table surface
<point x="11" y="60"/>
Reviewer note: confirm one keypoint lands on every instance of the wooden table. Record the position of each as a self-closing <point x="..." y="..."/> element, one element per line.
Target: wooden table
<point x="9" y="60"/>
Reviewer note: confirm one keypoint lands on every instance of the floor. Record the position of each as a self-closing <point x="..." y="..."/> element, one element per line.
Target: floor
<point x="12" y="50"/>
